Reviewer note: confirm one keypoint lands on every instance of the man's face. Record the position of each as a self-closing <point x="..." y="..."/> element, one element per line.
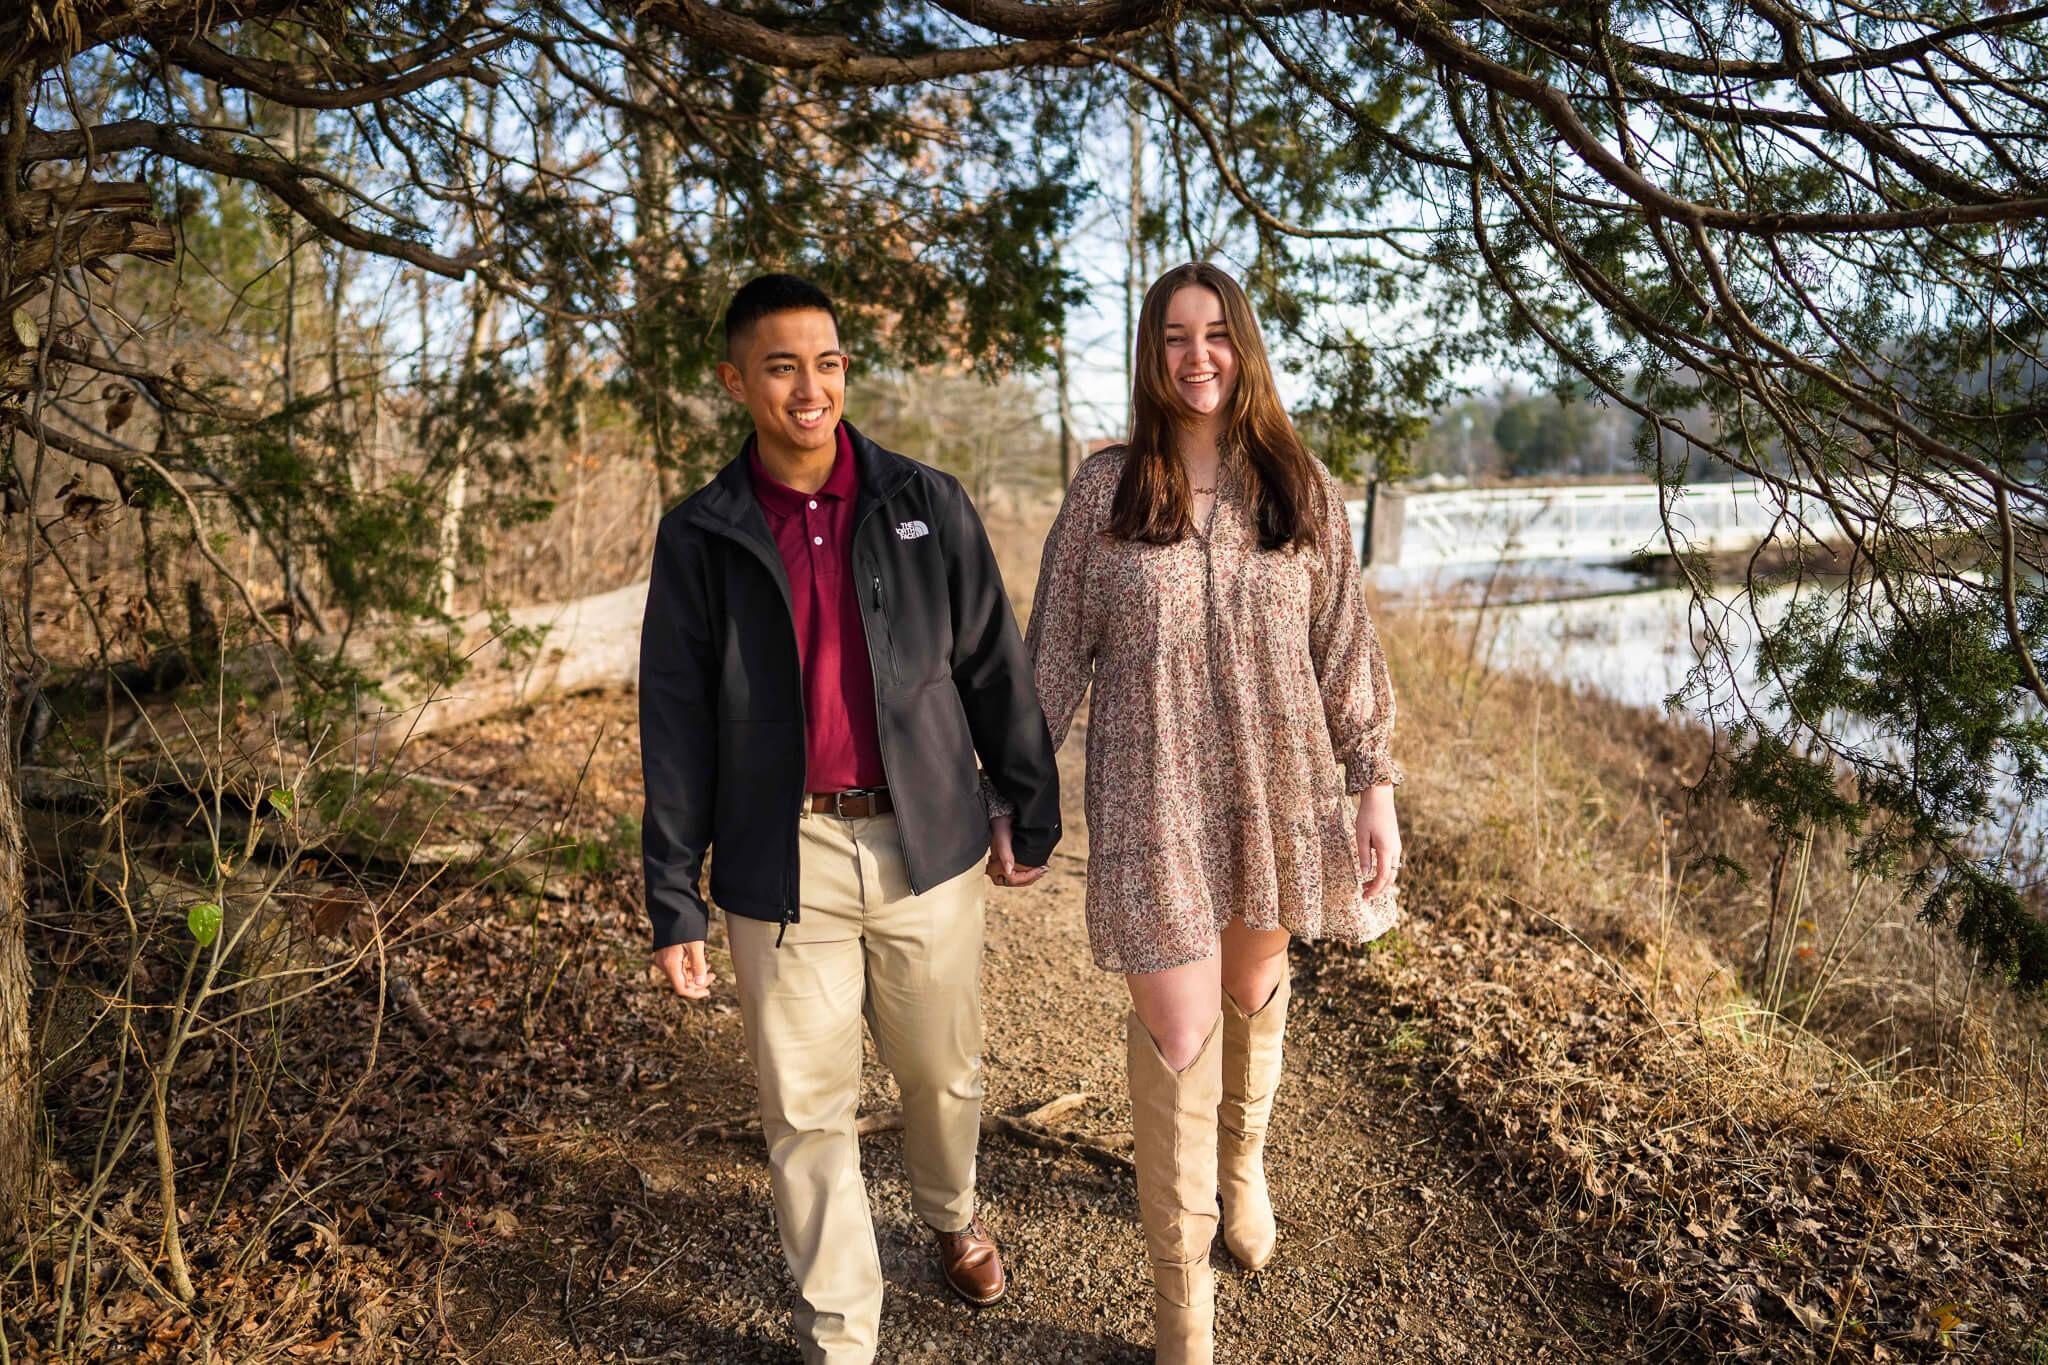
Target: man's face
<point x="789" y="373"/>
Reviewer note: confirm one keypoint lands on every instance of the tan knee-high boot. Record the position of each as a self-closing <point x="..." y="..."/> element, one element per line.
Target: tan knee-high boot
<point x="1173" y="1127"/>
<point x="1251" y="1073"/>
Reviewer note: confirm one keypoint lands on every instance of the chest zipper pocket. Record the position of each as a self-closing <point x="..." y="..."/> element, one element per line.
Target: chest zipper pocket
<point x="882" y="621"/>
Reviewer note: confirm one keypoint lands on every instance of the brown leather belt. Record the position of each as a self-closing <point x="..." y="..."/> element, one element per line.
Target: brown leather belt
<point x="855" y="803"/>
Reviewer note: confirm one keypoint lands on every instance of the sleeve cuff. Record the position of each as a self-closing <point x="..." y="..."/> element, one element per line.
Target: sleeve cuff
<point x="992" y="800"/>
<point x="1033" y="848"/>
<point x="1365" y="773"/>
<point x="689" y="922"/>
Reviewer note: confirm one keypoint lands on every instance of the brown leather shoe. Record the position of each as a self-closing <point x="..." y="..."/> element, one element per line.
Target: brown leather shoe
<point x="972" y="1264"/>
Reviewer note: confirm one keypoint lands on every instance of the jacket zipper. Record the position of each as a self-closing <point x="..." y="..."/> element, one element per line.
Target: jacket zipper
<point x="874" y="671"/>
<point x="888" y="637"/>
<point x="803" y="719"/>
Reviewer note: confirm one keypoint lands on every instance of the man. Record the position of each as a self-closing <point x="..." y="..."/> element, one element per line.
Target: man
<point x="827" y="648"/>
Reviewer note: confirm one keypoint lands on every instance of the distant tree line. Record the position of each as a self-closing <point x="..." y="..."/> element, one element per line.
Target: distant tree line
<point x="1513" y="434"/>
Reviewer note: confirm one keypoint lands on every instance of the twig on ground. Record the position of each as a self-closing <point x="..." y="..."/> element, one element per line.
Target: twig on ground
<point x="1848" y="1291"/>
<point x="441" y="1303"/>
<point x="568" y="1304"/>
<point x="136" y="1262"/>
<point x="1523" y="1275"/>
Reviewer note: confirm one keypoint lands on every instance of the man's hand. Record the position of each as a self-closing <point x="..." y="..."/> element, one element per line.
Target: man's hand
<point x="1379" y="839"/>
<point x="684" y="965"/>
<point x="1002" y="866"/>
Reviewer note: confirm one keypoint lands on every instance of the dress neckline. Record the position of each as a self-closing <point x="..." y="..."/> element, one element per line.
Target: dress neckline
<point x="1229" y="468"/>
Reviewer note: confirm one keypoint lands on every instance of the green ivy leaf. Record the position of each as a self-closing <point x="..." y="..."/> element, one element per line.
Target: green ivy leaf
<point x="280" y="800"/>
<point x="204" y="922"/>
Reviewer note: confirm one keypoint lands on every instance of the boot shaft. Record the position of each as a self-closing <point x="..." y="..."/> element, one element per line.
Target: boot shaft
<point x="1173" y="1131"/>
<point x="1252" y="1051"/>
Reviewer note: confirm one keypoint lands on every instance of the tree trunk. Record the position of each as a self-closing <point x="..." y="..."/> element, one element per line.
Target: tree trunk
<point x="1134" y="248"/>
<point x="483" y="307"/>
<point x="1066" y="407"/>
<point x="651" y="164"/>
<point x="17" y="1065"/>
<point x="452" y="504"/>
<point x="455" y="499"/>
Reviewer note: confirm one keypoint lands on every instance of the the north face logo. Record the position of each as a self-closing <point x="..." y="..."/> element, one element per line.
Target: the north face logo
<point x="911" y="530"/>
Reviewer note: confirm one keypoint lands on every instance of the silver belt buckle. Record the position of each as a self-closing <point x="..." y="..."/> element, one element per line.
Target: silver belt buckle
<point x="839" y="798"/>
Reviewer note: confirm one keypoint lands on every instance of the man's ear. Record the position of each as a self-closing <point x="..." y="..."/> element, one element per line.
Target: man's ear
<point x="729" y="376"/>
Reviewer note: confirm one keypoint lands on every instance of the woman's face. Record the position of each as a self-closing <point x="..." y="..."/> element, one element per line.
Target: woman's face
<point x="1200" y="361"/>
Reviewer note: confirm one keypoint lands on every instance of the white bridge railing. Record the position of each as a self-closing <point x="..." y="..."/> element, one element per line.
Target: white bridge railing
<point x="1585" y="522"/>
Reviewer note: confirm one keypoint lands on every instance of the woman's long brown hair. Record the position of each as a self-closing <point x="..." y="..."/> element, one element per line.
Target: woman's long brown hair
<point x="1153" y="501"/>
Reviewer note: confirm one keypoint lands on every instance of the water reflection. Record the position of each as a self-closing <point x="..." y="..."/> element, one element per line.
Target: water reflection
<point x="1529" y="581"/>
<point x="1635" y="637"/>
<point x="1607" y="626"/>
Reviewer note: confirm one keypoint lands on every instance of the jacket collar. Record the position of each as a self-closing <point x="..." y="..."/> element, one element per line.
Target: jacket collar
<point x="728" y="501"/>
<point x="882" y="472"/>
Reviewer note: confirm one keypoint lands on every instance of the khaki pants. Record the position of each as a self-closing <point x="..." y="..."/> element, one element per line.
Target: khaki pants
<point x="864" y="947"/>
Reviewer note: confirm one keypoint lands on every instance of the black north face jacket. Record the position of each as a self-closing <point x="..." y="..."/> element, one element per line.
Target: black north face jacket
<point x="721" y="694"/>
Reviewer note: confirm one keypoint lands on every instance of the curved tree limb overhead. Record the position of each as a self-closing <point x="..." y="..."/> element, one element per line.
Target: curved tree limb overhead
<point x="841" y="59"/>
<point x="306" y="87"/>
<point x="1577" y="78"/>
<point x="275" y="174"/>
<point x="38" y="35"/>
<point x="1048" y="36"/>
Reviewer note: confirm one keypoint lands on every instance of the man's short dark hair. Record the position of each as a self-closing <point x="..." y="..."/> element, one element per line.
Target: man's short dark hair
<point x="766" y="295"/>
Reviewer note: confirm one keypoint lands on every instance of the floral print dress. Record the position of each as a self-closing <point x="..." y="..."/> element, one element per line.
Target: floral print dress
<point x="1231" y="684"/>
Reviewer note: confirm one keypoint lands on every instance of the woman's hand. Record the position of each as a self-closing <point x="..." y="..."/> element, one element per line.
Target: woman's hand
<point x="1002" y="866"/>
<point x="1379" y="839"/>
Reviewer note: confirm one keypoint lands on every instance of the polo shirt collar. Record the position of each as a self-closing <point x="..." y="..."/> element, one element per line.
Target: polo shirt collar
<point x="779" y="499"/>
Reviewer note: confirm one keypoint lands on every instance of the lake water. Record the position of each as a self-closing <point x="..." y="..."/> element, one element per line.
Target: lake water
<point x="1625" y="633"/>
<point x="1616" y="629"/>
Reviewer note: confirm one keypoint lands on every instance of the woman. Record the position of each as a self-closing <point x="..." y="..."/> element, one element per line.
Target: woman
<point x="1202" y="576"/>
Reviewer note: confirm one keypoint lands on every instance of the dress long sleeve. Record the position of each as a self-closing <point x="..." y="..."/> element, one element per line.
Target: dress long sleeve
<point x="1060" y="639"/>
<point x="1351" y="667"/>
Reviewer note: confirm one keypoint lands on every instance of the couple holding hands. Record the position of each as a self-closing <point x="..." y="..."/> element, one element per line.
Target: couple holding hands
<point x="836" y="707"/>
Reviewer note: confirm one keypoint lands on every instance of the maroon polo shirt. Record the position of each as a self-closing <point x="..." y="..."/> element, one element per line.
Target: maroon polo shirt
<point x="814" y="534"/>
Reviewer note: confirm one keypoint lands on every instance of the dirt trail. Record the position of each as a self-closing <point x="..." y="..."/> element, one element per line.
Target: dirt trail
<point x="644" y="1243"/>
<point x="1492" y="1142"/>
